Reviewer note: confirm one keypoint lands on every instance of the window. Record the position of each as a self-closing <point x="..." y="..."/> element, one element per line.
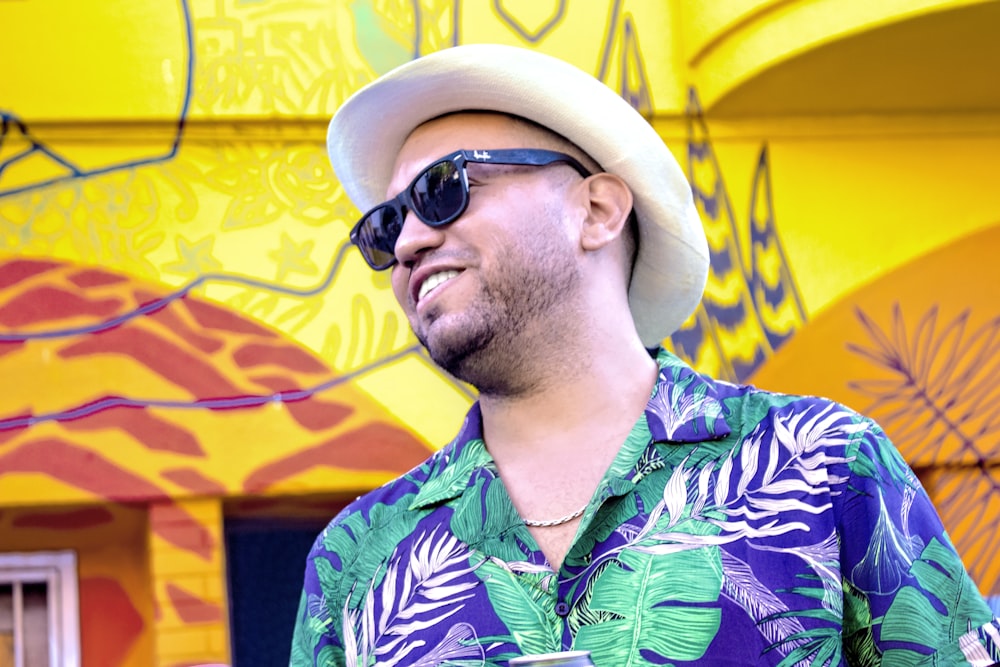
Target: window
<point x="39" y="616"/>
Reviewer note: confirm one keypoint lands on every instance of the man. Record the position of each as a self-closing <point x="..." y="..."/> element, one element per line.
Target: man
<point x="599" y="496"/>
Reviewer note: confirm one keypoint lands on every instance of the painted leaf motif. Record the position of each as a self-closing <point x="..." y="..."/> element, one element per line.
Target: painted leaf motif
<point x="933" y="388"/>
<point x="668" y="606"/>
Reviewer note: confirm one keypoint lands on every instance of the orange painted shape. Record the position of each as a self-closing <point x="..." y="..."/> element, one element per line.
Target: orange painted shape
<point x="918" y="350"/>
<point x="109" y="622"/>
<point x="17" y="270"/>
<point x="311" y="413"/>
<point x="79" y="467"/>
<point x="194" y="481"/>
<point x="81" y="519"/>
<point x="150" y="431"/>
<point x="49" y="304"/>
<point x="371" y="447"/>
<point x="177" y="526"/>
<point x="95" y="278"/>
<point x="285" y="356"/>
<point x="213" y="317"/>
<point x="191" y="608"/>
<point x="176" y="365"/>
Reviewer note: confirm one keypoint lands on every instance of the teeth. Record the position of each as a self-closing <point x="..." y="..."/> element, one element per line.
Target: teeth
<point x="435" y="280"/>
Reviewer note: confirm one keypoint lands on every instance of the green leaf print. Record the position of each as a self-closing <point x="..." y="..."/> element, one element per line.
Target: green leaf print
<point x="483" y="519"/>
<point x="915" y="619"/>
<point x="873" y="456"/>
<point x="859" y="642"/>
<point x="520" y="607"/>
<point x="327" y="657"/>
<point x="658" y="600"/>
<point x="451" y="480"/>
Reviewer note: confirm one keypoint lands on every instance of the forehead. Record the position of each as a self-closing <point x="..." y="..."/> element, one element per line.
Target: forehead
<point x="436" y="138"/>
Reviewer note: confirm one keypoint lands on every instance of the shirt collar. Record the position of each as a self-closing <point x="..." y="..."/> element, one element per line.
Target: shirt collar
<point x="683" y="408"/>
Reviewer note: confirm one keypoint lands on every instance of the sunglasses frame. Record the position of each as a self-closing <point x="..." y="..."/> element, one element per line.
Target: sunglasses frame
<point x="404" y="201"/>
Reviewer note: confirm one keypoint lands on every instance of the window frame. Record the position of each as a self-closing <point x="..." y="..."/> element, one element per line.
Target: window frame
<point x="56" y="569"/>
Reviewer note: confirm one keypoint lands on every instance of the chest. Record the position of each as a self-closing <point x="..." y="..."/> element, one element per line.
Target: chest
<point x="644" y="583"/>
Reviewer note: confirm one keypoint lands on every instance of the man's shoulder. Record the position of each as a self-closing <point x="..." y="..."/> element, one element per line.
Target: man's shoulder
<point x="749" y="407"/>
<point x="753" y="394"/>
<point x="382" y="504"/>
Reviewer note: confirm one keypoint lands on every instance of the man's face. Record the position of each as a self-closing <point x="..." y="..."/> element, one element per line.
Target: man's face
<point x="479" y="290"/>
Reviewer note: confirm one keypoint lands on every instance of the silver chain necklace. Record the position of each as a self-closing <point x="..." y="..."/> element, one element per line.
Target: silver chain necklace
<point x="554" y="522"/>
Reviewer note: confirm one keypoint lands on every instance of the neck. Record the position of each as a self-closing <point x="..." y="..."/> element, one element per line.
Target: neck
<point x="585" y="401"/>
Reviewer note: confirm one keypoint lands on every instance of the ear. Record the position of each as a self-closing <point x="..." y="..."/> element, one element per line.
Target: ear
<point x="609" y="202"/>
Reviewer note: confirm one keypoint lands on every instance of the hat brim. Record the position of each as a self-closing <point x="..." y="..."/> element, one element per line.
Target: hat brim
<point x="672" y="261"/>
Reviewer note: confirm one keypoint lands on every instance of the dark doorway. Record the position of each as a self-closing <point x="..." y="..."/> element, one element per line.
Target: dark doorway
<point x="265" y="562"/>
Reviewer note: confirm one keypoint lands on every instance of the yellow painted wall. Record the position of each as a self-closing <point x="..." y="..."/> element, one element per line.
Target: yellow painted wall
<point x="163" y="162"/>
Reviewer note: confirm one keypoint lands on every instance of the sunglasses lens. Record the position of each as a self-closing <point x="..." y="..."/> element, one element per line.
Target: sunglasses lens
<point x="377" y="234"/>
<point x="439" y="195"/>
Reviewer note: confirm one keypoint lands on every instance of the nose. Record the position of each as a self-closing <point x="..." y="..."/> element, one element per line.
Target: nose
<point x="415" y="239"/>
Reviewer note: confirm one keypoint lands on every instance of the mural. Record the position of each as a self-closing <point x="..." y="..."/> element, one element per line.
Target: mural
<point x="916" y="353"/>
<point x="186" y="335"/>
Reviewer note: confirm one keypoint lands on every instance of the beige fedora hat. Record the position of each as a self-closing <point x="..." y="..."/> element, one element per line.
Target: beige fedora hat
<point x="368" y="130"/>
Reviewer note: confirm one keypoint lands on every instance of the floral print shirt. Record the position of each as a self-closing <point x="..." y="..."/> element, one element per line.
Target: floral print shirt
<point x="735" y="527"/>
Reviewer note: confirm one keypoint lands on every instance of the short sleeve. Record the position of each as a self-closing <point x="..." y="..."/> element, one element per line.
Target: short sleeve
<point x="314" y="640"/>
<point x="908" y="599"/>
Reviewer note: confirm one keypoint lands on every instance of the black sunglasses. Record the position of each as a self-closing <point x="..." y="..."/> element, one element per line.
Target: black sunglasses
<point x="438" y="195"/>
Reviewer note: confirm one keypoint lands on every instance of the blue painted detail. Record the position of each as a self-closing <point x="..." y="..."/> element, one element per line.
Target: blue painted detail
<point x="10" y="124"/>
<point x="520" y="29"/>
<point x="685" y="342"/>
<point x="163" y="302"/>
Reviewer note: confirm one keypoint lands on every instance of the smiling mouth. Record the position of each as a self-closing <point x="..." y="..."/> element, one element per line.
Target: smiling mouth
<point x="434" y="281"/>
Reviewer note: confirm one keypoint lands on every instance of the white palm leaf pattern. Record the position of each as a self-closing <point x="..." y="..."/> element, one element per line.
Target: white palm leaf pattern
<point x="742" y="587"/>
<point x="419" y="589"/>
<point x="823" y="560"/>
<point x="459" y="646"/>
<point x="749" y="503"/>
<point x="744" y="499"/>
<point x="679" y="405"/>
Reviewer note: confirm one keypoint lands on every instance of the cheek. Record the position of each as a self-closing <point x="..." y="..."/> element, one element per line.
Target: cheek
<point x="399" y="285"/>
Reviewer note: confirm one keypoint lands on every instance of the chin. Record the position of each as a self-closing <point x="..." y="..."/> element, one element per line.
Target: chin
<point x="458" y="351"/>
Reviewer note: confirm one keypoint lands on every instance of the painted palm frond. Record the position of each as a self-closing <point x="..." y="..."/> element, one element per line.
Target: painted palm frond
<point x="970" y="508"/>
<point x="937" y="395"/>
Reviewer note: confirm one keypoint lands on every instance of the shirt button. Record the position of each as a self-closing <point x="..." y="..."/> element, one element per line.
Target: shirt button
<point x="562" y="609"/>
